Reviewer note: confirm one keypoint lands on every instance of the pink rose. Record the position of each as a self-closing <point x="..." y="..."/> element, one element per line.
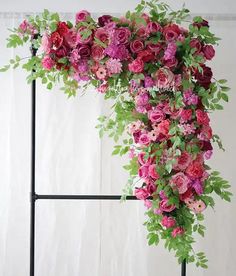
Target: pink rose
<point x="136" y="66"/>
<point x="47" y="63"/>
<point x="202" y="117"/>
<point x="183" y="161"/>
<point x="195" y="170"/>
<point x="81" y="16"/>
<point x="136" y="46"/>
<point x="196" y="44"/>
<point x="144" y="139"/>
<point x="168" y="222"/>
<point x="97" y="52"/>
<point x="46" y="43"/>
<point x="156" y="115"/>
<point x="165" y="207"/>
<point x="152" y="171"/>
<point x="153" y="27"/>
<point x="102" y="35"/>
<point x="84" y="51"/>
<point x="178" y="231"/>
<point x="164" y="78"/>
<point x="171" y="32"/>
<point x="143" y="160"/>
<point x="80" y="39"/>
<point x="121" y="35"/>
<point x="141" y="193"/>
<point x="163" y="127"/>
<point x="209" y="52"/>
<point x="143" y="171"/>
<point x="180" y="182"/>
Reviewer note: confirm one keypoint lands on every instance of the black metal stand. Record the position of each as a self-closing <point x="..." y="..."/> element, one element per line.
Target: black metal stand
<point x="34" y="197"/>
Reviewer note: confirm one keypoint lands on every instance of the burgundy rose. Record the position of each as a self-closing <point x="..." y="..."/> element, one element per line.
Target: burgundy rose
<point x="103" y="20"/>
<point x="209" y="52"/>
<point x="204" y="77"/>
<point x="61" y="52"/>
<point x="203" y="23"/>
<point x="136" y="46"/>
<point x="84" y="51"/>
<point x="171" y="32"/>
<point x="171" y="62"/>
<point x="155" y="48"/>
<point x="121" y="35"/>
<point x="136" y="136"/>
<point x="102" y="35"/>
<point x="56" y="40"/>
<point x="196" y="44"/>
<point x="62" y="28"/>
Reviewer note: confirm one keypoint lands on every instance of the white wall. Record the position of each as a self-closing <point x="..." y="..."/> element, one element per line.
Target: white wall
<point x="97" y="238"/>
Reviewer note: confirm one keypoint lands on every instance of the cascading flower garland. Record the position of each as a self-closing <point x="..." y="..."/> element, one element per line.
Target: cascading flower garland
<point x="155" y="71"/>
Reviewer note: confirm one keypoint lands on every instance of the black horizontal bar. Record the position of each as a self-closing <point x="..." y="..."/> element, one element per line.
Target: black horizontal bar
<point x="85" y="197"/>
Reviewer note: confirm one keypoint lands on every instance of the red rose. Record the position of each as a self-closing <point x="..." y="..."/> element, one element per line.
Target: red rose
<point x="62" y="28"/>
<point x="209" y="52"/>
<point x="136" y="66"/>
<point x="204" y="77"/>
<point x="146" y="56"/>
<point x="97" y="52"/>
<point x="196" y="44"/>
<point x="195" y="170"/>
<point x="61" y="52"/>
<point x="171" y="32"/>
<point x="136" y="46"/>
<point x="56" y="40"/>
<point x="202" y="117"/>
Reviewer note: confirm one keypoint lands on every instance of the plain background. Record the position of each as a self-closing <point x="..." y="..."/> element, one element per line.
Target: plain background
<point x="95" y="238"/>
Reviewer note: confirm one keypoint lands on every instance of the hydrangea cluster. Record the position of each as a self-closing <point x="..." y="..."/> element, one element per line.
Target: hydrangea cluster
<point x="157" y="74"/>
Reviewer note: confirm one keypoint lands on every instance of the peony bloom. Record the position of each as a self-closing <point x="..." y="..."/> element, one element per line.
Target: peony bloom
<point x="165" y="207"/>
<point x="114" y="66"/>
<point x="141" y="193"/>
<point x="136" y="66"/>
<point x="101" y="73"/>
<point x="164" y="78"/>
<point x="181" y="182"/>
<point x="156" y="115"/>
<point x="183" y="161"/>
<point x="117" y="51"/>
<point x="81" y="16"/>
<point x="178" y="231"/>
<point x="56" y="40"/>
<point x="195" y="170"/>
<point x="168" y="222"/>
<point x="48" y="63"/>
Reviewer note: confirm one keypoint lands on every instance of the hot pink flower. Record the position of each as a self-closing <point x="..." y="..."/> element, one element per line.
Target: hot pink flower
<point x="156" y="115"/>
<point x="121" y="35"/>
<point x="117" y="51"/>
<point x="178" y="231"/>
<point x="152" y="171"/>
<point x="143" y="171"/>
<point x="136" y="66"/>
<point x="47" y="63"/>
<point x="168" y="222"/>
<point x="81" y="16"/>
<point x="142" y="160"/>
<point x="180" y="182"/>
<point x="144" y="139"/>
<point x="165" y="207"/>
<point x="195" y="170"/>
<point x="141" y="193"/>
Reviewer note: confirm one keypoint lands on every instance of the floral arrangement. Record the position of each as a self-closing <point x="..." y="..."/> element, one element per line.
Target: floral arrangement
<point x="156" y="73"/>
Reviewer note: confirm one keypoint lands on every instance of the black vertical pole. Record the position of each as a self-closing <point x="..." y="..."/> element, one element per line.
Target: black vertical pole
<point x="32" y="186"/>
<point x="183" y="268"/>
